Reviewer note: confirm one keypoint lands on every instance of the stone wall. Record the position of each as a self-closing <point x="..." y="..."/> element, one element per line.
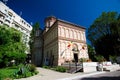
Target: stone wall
<point x="51" y="46"/>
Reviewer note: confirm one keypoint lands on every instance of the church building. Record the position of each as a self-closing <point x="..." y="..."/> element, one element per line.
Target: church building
<point x="62" y="42"/>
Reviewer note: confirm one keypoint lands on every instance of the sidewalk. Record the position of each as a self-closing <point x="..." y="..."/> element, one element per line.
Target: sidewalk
<point x="46" y="74"/>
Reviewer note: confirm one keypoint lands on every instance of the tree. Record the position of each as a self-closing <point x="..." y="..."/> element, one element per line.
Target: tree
<point x="11" y="46"/>
<point x="104" y="34"/>
<point x="91" y="52"/>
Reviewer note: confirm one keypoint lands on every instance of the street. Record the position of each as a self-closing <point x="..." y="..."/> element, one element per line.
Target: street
<point x="105" y="76"/>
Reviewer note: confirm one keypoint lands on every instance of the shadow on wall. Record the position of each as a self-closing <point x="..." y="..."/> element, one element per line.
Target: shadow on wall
<point x="100" y="78"/>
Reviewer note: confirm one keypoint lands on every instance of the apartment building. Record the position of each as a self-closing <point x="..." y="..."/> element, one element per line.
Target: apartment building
<point x="9" y="18"/>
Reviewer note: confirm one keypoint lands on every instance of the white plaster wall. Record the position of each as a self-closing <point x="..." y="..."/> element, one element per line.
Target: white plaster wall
<point x="89" y="66"/>
<point x="66" y="54"/>
<point x="71" y="33"/>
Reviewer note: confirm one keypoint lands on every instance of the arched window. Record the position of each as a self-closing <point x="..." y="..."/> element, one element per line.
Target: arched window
<point x="75" y="47"/>
<point x="67" y="33"/>
<point x="59" y="31"/>
<point x="62" y="32"/>
<point x="75" y="35"/>
<point x="78" y="35"/>
<point x="82" y="36"/>
<point x="71" y="36"/>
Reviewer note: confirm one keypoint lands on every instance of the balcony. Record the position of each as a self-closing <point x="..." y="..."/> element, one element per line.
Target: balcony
<point x="8" y="19"/>
<point x="1" y="19"/>
<point x="7" y="23"/>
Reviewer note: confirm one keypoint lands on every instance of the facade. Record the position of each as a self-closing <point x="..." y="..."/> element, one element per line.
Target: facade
<point x="63" y="42"/>
<point x="9" y="18"/>
<point x="37" y="52"/>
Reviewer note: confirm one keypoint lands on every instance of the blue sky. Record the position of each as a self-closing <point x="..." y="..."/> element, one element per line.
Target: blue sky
<point x="81" y="12"/>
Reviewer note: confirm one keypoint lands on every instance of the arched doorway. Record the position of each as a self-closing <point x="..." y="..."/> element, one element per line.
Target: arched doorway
<point x="75" y="52"/>
<point x="76" y="57"/>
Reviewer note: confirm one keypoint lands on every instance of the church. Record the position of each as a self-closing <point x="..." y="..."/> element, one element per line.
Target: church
<point x="60" y="42"/>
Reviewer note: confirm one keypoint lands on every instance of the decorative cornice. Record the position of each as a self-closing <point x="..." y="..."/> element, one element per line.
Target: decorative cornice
<point x="69" y="39"/>
<point x="66" y="22"/>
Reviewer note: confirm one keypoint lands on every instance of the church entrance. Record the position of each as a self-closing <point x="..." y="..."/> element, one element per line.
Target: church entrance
<point x="76" y="57"/>
<point x="75" y="52"/>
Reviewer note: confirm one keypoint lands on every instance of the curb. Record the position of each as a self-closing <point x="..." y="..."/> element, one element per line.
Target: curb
<point x="81" y="76"/>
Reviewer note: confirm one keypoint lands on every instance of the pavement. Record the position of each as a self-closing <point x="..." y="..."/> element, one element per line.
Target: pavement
<point x="46" y="74"/>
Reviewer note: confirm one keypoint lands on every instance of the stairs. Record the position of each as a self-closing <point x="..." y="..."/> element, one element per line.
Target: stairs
<point x="72" y="67"/>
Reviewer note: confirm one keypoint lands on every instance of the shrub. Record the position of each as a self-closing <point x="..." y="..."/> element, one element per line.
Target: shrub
<point x="46" y="67"/>
<point x="60" y="69"/>
<point x="36" y="72"/>
<point x="25" y="71"/>
<point x="28" y="74"/>
<point x="57" y="68"/>
<point x="16" y="72"/>
<point x="100" y="58"/>
<point x="89" y="60"/>
<point x="113" y="58"/>
<point x="8" y="79"/>
<point x="31" y="67"/>
<point x="83" y="60"/>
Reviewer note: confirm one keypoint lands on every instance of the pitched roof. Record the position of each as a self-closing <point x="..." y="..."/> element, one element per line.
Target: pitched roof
<point x="71" y="23"/>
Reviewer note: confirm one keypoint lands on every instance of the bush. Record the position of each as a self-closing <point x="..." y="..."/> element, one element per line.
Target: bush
<point x="113" y="59"/>
<point x="36" y="72"/>
<point x="57" y="68"/>
<point x="25" y="71"/>
<point x="15" y="72"/>
<point x="31" y="67"/>
<point x="100" y="58"/>
<point x="60" y="69"/>
<point x="46" y="67"/>
<point x="8" y="79"/>
<point x="83" y="60"/>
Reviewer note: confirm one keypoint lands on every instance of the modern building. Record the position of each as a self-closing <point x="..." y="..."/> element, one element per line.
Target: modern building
<point x="62" y="42"/>
<point x="9" y="18"/>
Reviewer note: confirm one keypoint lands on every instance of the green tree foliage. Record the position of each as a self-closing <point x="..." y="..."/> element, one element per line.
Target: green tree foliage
<point x="91" y="52"/>
<point x="104" y="34"/>
<point x="11" y="46"/>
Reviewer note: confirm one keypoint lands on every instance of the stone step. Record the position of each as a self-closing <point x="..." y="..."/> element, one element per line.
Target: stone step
<point x="72" y="64"/>
<point x="74" y="69"/>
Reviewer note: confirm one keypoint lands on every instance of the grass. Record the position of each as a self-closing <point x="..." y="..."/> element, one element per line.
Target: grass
<point x="7" y="73"/>
<point x="16" y="72"/>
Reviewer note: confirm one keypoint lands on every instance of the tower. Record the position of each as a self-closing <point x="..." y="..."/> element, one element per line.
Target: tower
<point x="49" y="21"/>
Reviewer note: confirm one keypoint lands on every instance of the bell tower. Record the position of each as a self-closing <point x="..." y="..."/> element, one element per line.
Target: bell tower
<point x="49" y="21"/>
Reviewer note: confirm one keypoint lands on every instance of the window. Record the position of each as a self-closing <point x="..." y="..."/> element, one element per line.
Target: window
<point x="62" y="32"/>
<point x="37" y="33"/>
<point x="5" y="10"/>
<point x="67" y="33"/>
